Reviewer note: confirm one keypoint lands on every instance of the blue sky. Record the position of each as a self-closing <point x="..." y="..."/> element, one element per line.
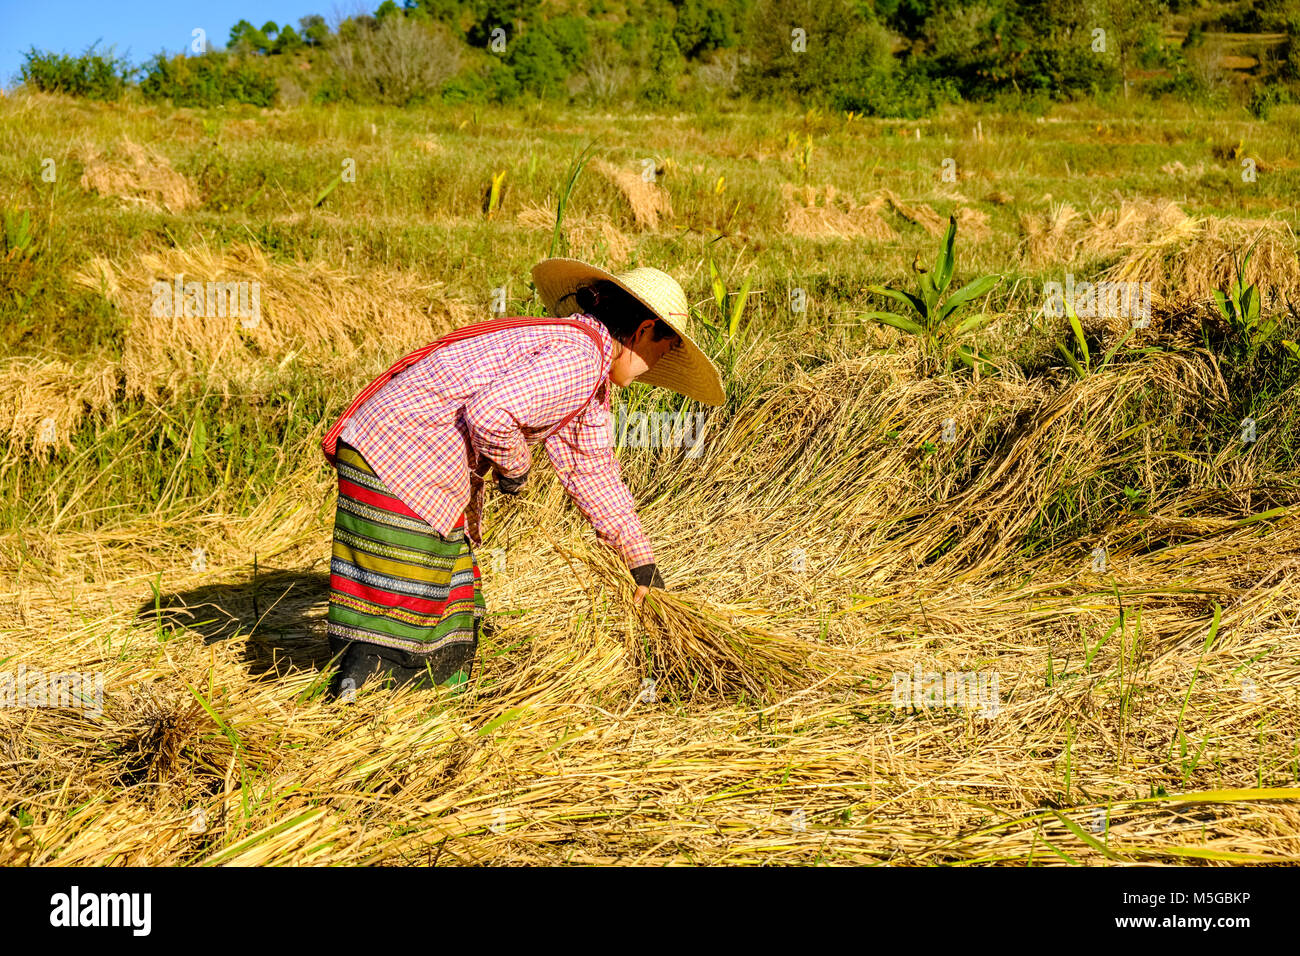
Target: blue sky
<point x="140" y="28"/>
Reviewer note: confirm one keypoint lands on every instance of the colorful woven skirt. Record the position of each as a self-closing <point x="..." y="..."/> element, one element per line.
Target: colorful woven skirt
<point x="397" y="586"/>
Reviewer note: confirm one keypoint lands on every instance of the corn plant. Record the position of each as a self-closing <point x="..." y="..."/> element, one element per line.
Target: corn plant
<point x="559" y="243"/>
<point x="731" y="307"/>
<point x="1083" y="364"/>
<point x="1239" y="304"/>
<point x="939" y="318"/>
<point x="802" y="153"/>
<point x="494" y="192"/>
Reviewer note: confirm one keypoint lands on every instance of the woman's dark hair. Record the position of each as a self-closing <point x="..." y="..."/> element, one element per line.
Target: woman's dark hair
<point x="618" y="310"/>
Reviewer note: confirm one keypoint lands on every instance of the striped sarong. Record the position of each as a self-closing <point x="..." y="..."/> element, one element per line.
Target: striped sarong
<point x="394" y="580"/>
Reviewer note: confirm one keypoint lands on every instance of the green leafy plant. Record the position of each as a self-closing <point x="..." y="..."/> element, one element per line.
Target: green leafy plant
<point x="17" y="235"/>
<point x="1239" y="304"/>
<point x="940" y="318"/>
<point x="731" y="308"/>
<point x="559" y="243"/>
<point x="1293" y="348"/>
<point x="1083" y="364"/>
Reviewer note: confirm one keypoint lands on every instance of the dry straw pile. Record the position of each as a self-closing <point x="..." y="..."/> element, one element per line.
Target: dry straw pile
<point x="137" y="174"/>
<point x="647" y="201"/>
<point x="1184" y="257"/>
<point x="692" y="648"/>
<point x="44" y="401"/>
<point x="813" y="212"/>
<point x="591" y="238"/>
<point x="305" y="312"/>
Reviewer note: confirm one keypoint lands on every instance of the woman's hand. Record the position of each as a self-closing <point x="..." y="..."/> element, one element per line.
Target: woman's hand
<point x="646" y="576"/>
<point x="508" y="486"/>
<point x="511" y="486"/>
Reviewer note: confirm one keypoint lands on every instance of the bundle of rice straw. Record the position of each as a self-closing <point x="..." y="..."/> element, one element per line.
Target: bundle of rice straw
<point x="697" y="648"/>
<point x="691" y="647"/>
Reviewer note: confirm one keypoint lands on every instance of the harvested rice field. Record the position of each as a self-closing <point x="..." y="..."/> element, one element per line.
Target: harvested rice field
<point x="1024" y="590"/>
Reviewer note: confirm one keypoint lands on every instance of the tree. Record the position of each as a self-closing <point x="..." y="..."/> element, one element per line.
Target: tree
<point x="263" y="40"/>
<point x="665" y="63"/>
<point x="315" y="32"/>
<point x="605" y="65"/>
<point x="444" y="11"/>
<point x="353" y="28"/>
<point x="288" y="41"/>
<point x="814" y="48"/>
<point x="508" y="15"/>
<point x="536" y="63"/>
<point x="239" y="34"/>
<point x="1131" y="22"/>
<point x="703" y="26"/>
<point x="569" y="37"/>
<point x="403" y="61"/>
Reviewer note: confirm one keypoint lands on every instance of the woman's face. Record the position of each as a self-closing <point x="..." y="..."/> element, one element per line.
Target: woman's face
<point x="641" y="355"/>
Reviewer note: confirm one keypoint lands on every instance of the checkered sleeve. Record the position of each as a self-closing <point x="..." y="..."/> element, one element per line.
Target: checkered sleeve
<point x="533" y="396"/>
<point x="584" y="460"/>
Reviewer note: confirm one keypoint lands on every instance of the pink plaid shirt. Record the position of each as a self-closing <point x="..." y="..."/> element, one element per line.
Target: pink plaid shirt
<point x="493" y="396"/>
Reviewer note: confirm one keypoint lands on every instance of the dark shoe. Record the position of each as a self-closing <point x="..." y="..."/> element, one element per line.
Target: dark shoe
<point x="363" y="661"/>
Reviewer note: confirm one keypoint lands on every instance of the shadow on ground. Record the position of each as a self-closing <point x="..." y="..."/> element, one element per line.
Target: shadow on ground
<point x="282" y="612"/>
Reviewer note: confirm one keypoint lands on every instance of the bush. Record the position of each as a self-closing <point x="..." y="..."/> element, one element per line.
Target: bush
<point x="466" y="87"/>
<point x="536" y="64"/>
<point x="330" y="90"/>
<point x="897" y="94"/>
<point x="1264" y="98"/>
<point x="1057" y="69"/>
<point x="209" y="79"/>
<point x="401" y="62"/>
<point x="93" y="75"/>
<point x="703" y="26"/>
<point x="665" y="64"/>
<point x="844" y="51"/>
<point x="502" y="84"/>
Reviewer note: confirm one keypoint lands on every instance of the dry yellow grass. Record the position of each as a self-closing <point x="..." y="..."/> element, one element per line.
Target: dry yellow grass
<point x="1061" y="234"/>
<point x="817" y="213"/>
<point x="829" y="539"/>
<point x="647" y="201"/>
<point x="138" y="174"/>
<point x="1205" y="258"/>
<point x="44" y="402"/>
<point x="1183" y="257"/>
<point x="972" y="223"/>
<point x="918" y="213"/>
<point x="592" y="238"/>
<point x="306" y="312"/>
<point x="222" y="753"/>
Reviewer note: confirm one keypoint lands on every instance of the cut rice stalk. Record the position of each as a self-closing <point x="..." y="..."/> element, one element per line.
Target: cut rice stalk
<point x="693" y="647"/>
<point x="696" y="648"/>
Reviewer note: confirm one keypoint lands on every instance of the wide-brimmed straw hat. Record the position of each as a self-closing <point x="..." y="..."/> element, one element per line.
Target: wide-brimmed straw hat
<point x="686" y="369"/>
